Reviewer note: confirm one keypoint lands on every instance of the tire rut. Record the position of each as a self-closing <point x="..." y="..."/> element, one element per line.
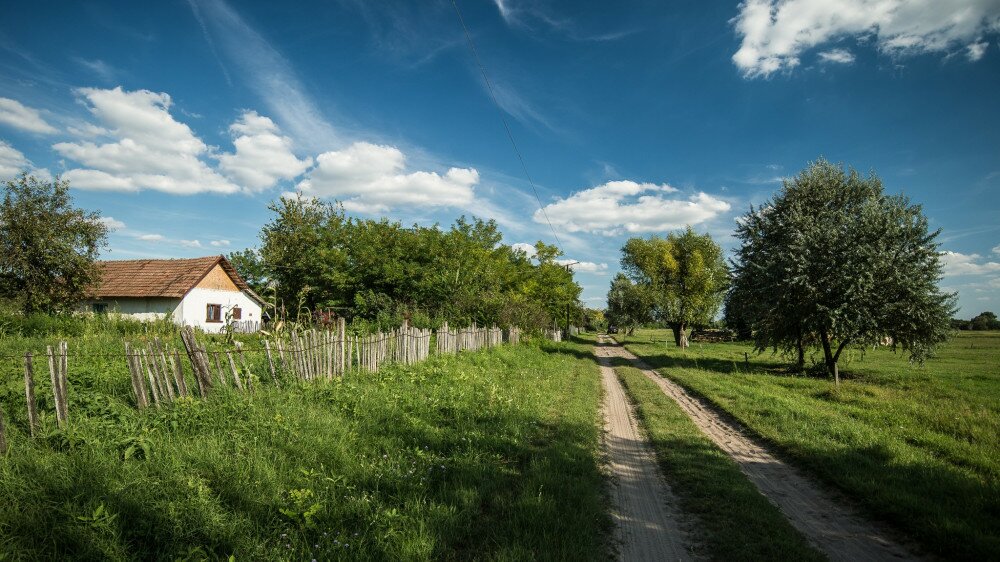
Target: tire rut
<point x="835" y="529"/>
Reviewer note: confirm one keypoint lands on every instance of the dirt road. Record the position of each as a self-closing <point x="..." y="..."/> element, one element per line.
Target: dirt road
<point x="835" y="529"/>
<point x="648" y="524"/>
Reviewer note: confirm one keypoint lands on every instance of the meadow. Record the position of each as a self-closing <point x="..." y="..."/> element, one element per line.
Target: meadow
<point x="915" y="445"/>
<point x="486" y="455"/>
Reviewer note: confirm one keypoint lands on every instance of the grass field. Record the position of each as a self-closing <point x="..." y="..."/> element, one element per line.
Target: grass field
<point x="489" y="455"/>
<point x="916" y="445"/>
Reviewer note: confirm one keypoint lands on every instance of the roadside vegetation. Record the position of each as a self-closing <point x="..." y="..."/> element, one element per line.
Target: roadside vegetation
<point x="488" y="455"/>
<point x="912" y="444"/>
<point x="734" y="521"/>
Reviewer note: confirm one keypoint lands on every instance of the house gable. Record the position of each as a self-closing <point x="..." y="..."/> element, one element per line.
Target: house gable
<point x="218" y="279"/>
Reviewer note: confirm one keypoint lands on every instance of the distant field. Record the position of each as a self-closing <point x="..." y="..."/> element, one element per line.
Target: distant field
<point x="916" y="445"/>
<point x="488" y="455"/>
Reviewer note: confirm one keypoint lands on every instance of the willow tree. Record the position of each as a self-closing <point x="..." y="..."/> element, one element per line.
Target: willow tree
<point x="835" y="262"/>
<point x="684" y="274"/>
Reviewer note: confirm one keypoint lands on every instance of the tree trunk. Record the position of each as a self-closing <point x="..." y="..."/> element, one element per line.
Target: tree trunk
<point x="831" y="361"/>
<point x="800" y="364"/>
<point x="680" y="334"/>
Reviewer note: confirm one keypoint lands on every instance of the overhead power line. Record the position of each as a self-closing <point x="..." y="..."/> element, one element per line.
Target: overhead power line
<point x="503" y="118"/>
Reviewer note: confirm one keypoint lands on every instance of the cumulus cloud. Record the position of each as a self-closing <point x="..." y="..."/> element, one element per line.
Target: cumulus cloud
<point x="840" y="56"/>
<point x="220" y="243"/>
<point x="371" y="178"/>
<point x="956" y="264"/>
<point x="19" y="116"/>
<point x="263" y="155"/>
<point x="12" y="161"/>
<point x="628" y="206"/>
<point x="190" y="243"/>
<point x="112" y="223"/>
<point x="585" y="266"/>
<point x="151" y="237"/>
<point x="528" y="249"/>
<point x="152" y="150"/>
<point x="775" y="33"/>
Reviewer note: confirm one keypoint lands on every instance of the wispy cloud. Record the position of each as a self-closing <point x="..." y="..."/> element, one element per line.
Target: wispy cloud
<point x="529" y="15"/>
<point x="102" y="69"/>
<point x="269" y="74"/>
<point x="20" y="116"/>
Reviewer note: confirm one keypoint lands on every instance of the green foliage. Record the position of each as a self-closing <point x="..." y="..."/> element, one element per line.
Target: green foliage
<point x="833" y="261"/>
<point x="250" y="266"/>
<point x="629" y="306"/>
<point x="381" y="272"/>
<point x="914" y="445"/>
<point x="684" y="276"/>
<point x="984" y="321"/>
<point x="47" y="246"/>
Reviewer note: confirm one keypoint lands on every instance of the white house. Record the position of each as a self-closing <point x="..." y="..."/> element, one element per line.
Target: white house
<point x="201" y="292"/>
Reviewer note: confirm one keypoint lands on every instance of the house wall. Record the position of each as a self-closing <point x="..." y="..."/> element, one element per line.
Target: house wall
<point x="145" y="309"/>
<point x="194" y="307"/>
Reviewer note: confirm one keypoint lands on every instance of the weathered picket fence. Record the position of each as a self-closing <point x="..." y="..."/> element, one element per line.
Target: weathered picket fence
<point x="157" y="372"/>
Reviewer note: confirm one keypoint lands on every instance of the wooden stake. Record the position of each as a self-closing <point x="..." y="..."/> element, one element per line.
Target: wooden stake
<point x="54" y="377"/>
<point x="236" y="374"/>
<point x="141" y="359"/>
<point x="29" y="393"/>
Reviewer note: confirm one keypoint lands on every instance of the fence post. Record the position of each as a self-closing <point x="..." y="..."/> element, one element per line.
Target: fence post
<point x="54" y="378"/>
<point x="29" y="393"/>
<point x="270" y="362"/>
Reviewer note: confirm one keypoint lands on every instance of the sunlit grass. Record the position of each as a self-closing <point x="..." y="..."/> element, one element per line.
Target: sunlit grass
<point x="914" y="444"/>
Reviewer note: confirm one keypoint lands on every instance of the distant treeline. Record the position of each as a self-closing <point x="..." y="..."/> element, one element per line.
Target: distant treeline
<point x="313" y="258"/>
<point x="984" y="321"/>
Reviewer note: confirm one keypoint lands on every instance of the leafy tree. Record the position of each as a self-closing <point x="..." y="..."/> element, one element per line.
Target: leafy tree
<point x="833" y="260"/>
<point x="685" y="276"/>
<point x="628" y="307"/>
<point x="250" y="266"/>
<point x="985" y="321"/>
<point x="47" y="246"/>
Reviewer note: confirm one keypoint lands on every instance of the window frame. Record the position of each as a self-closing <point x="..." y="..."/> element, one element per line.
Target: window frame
<point x="237" y="312"/>
<point x="218" y="313"/>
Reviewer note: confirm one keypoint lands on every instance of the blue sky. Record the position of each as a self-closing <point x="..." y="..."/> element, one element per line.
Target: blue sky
<point x="180" y="121"/>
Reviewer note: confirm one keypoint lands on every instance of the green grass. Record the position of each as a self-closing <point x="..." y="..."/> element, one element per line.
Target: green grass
<point x="734" y="521"/>
<point x="490" y="455"/>
<point x="918" y="446"/>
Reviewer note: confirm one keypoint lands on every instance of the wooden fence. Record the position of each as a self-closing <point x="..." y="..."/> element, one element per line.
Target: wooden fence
<point x="157" y="369"/>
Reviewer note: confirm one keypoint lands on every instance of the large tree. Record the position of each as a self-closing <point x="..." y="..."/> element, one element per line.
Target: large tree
<point x="47" y="246"/>
<point x="684" y="275"/>
<point x="628" y="307"/>
<point x="834" y="261"/>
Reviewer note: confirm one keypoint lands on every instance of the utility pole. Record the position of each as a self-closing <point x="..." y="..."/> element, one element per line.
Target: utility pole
<point x="569" y="268"/>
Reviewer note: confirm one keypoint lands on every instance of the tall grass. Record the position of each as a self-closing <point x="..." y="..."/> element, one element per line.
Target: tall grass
<point x="489" y="455"/>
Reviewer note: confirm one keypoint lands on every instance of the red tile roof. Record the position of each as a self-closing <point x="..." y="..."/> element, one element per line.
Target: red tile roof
<point x="159" y="278"/>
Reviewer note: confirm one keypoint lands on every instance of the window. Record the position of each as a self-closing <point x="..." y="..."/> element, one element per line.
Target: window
<point x="100" y="307"/>
<point x="237" y="313"/>
<point x="214" y="313"/>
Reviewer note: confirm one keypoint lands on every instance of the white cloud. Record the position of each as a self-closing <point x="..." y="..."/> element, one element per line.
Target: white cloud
<point x="996" y="249"/>
<point x="112" y="223"/>
<point x="585" y="266"/>
<point x="956" y="264"/>
<point x="19" y="116"/>
<point x="775" y="33"/>
<point x="263" y="156"/>
<point x="975" y="51"/>
<point x="370" y="178"/>
<point x="528" y="249"/>
<point x="840" y="56"/>
<point x="151" y="237"/>
<point x="628" y="206"/>
<point x="12" y="161"/>
<point x="152" y="151"/>
<point x="220" y="243"/>
<point x="190" y="243"/>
